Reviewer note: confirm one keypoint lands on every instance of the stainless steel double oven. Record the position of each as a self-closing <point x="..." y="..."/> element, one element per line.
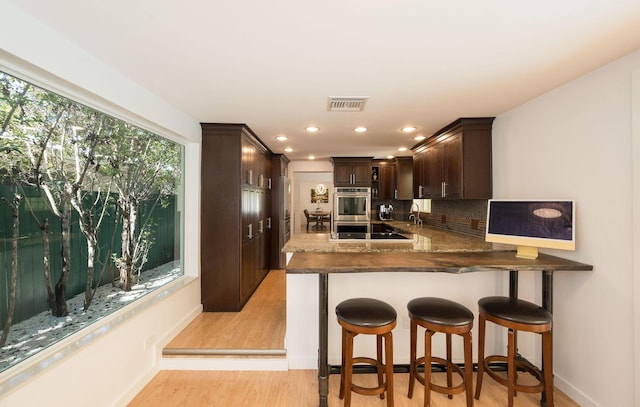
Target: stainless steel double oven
<point x="351" y="209"/>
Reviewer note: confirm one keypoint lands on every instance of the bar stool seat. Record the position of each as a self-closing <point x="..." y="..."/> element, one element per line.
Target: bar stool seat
<point x="516" y="315"/>
<point x="448" y="317"/>
<point x="366" y="316"/>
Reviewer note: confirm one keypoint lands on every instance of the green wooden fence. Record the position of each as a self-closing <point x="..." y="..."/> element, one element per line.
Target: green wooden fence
<point x="31" y="298"/>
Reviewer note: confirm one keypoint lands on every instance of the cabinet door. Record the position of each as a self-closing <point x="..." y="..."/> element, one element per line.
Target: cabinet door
<point x="248" y="162"/>
<point x="435" y="171"/>
<point x="361" y="174"/>
<point x="247" y="269"/>
<point x="342" y="174"/>
<point x="387" y="182"/>
<point x="453" y="167"/>
<point x="404" y="178"/>
<point x="247" y="215"/>
<point x="418" y="179"/>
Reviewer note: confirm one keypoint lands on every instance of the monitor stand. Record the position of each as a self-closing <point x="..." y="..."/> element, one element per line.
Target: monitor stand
<point x="527" y="252"/>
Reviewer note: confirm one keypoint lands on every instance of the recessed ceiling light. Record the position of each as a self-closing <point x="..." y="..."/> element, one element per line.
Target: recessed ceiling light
<point x="389" y="157"/>
<point x="402" y="149"/>
<point x="419" y="138"/>
<point x="312" y="129"/>
<point x="408" y="129"/>
<point x="360" y="129"/>
<point x="288" y="150"/>
<point x="281" y="138"/>
<point x="312" y="157"/>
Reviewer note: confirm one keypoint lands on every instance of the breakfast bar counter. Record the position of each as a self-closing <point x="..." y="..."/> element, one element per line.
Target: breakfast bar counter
<point x="445" y="252"/>
<point x="447" y="262"/>
<point x="422" y="239"/>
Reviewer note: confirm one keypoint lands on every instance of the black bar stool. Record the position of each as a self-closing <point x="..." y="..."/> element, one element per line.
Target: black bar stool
<point x="448" y="317"/>
<point x="366" y="316"/>
<point x="516" y="315"/>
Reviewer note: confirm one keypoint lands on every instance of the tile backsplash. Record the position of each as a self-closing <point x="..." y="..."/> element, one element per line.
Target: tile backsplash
<point x="468" y="216"/>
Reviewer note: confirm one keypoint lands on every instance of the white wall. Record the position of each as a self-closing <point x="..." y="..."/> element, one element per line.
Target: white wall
<point x="576" y="142"/>
<point x="117" y="360"/>
<point x="304" y="176"/>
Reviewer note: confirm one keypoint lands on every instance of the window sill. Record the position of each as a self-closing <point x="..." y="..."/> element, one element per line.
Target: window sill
<point x="30" y="368"/>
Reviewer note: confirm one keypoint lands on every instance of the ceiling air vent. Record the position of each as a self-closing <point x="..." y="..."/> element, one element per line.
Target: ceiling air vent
<point x="346" y="103"/>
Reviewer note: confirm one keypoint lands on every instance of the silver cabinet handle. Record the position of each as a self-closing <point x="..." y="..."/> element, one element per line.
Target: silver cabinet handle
<point x="269" y="182"/>
<point x="444" y="189"/>
<point x="250" y="235"/>
<point x="250" y="177"/>
<point x="395" y="194"/>
<point x="420" y="191"/>
<point x="260" y="226"/>
<point x="269" y="221"/>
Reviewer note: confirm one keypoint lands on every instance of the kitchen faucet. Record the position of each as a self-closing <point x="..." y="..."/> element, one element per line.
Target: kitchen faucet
<point x="416" y="218"/>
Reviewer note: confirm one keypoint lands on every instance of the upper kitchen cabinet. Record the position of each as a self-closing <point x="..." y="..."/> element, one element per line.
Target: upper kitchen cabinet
<point x="255" y="163"/>
<point x="392" y="179"/>
<point x="383" y="179"/>
<point x="352" y="171"/>
<point x="455" y="163"/>
<point x="404" y="179"/>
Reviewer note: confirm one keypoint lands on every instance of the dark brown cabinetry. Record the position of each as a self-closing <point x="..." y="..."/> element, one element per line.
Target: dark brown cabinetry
<point x="455" y="163"/>
<point x="392" y="179"/>
<point x="235" y="217"/>
<point x="404" y="178"/>
<point x="383" y="179"/>
<point x="351" y="171"/>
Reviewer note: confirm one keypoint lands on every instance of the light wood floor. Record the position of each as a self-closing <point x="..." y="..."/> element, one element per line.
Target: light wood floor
<point x="260" y="324"/>
<point x="299" y="388"/>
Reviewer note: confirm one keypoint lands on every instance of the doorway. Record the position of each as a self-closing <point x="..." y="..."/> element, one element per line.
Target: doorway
<point x="304" y="196"/>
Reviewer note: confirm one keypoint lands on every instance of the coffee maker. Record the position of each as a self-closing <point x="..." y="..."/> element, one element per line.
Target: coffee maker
<point x="385" y="211"/>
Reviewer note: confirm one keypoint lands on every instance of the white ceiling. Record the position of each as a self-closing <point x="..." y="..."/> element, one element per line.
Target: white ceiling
<point x="273" y="64"/>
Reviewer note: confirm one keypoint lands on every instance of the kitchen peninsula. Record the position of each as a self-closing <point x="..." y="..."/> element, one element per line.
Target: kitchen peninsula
<point x="411" y="269"/>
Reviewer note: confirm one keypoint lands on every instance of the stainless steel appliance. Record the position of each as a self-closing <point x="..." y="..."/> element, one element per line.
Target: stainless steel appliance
<point x="385" y="211"/>
<point x="285" y="220"/>
<point x="351" y="208"/>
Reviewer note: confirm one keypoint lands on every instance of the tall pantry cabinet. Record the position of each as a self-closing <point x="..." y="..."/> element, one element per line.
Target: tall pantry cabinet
<point x="235" y="224"/>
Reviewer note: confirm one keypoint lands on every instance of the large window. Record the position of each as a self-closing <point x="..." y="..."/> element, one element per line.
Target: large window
<point x="90" y="216"/>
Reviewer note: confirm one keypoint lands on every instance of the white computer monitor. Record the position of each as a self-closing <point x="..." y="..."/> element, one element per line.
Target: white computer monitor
<point x="532" y="224"/>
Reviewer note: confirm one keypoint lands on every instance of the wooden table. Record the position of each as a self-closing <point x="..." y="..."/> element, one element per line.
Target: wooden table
<point x="324" y="264"/>
<point x="320" y="215"/>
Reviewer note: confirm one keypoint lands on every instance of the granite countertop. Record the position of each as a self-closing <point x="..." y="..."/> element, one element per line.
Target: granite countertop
<point x="425" y="239"/>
